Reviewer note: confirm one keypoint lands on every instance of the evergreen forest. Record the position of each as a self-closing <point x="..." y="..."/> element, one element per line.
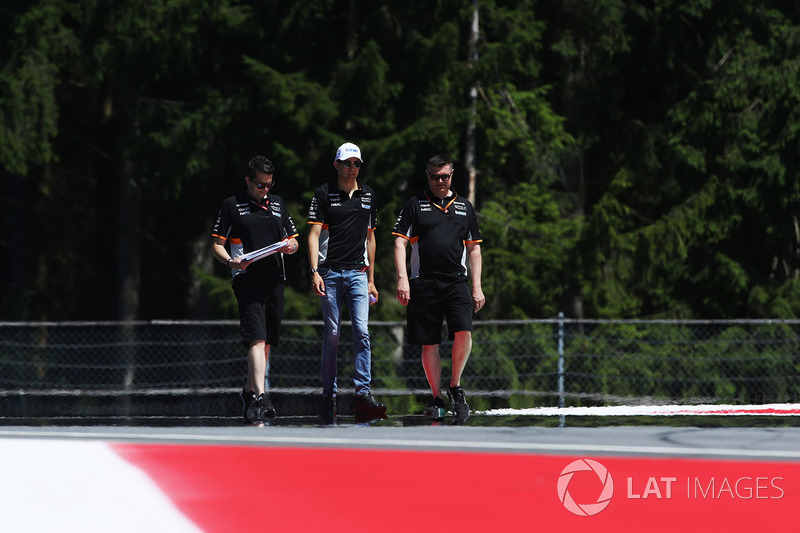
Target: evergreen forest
<point x="627" y="159"/>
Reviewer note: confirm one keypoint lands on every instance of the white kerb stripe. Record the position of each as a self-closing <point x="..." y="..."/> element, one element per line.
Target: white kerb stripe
<point x="72" y="486"/>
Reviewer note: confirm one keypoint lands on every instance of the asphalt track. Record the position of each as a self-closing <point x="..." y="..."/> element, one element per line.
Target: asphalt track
<point x="685" y="442"/>
<point x="398" y="475"/>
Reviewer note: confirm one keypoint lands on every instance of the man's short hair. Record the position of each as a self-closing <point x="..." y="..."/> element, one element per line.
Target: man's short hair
<point x="441" y="159"/>
<point x="259" y="164"/>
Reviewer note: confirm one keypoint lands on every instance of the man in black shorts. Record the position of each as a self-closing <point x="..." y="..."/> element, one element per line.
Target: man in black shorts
<point x="248" y="221"/>
<point x="444" y="235"/>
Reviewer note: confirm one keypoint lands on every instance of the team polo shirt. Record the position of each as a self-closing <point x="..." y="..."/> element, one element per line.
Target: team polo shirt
<point x="249" y="225"/>
<point x="438" y="231"/>
<point x="346" y="221"/>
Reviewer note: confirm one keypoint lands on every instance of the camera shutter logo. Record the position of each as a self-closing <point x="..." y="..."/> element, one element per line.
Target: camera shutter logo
<point x="585" y="509"/>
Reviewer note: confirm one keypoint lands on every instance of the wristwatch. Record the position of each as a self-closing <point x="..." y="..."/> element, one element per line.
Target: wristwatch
<point x="313" y="270"/>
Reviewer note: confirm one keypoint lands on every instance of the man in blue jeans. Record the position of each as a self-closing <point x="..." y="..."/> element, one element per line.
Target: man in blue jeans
<point x="341" y="252"/>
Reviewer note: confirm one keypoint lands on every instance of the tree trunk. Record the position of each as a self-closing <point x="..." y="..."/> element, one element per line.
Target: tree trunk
<point x="469" y="160"/>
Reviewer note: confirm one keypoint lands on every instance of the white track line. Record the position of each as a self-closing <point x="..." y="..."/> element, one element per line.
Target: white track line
<point x="775" y="409"/>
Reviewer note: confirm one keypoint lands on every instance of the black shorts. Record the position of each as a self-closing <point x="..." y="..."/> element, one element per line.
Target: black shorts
<point x="433" y="300"/>
<point x="260" y="301"/>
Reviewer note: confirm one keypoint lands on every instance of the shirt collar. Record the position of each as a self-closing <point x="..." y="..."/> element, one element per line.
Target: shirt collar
<point x="334" y="185"/>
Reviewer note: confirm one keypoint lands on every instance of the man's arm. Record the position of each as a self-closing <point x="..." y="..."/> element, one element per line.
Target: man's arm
<point x="403" y="289"/>
<point x="371" y="246"/>
<point x="475" y="266"/>
<point x="317" y="283"/>
<point x="221" y="254"/>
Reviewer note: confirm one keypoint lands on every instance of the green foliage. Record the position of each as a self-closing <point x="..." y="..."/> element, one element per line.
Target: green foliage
<point x="674" y="362"/>
<point x="697" y="104"/>
<point x="526" y="241"/>
<point x="632" y="159"/>
<point x="219" y="294"/>
<point x="29" y="77"/>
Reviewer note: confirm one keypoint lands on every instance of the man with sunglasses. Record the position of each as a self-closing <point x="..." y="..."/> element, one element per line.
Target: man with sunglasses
<point x="251" y="220"/>
<point x="341" y="253"/>
<point x="445" y="239"/>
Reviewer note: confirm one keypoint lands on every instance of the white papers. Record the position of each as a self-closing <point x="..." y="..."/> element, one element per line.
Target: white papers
<point x="263" y="252"/>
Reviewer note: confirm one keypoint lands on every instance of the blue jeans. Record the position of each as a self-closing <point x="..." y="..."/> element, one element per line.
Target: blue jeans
<point x="351" y="288"/>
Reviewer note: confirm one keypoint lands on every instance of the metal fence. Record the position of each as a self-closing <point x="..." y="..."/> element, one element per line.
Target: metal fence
<point x="529" y="362"/>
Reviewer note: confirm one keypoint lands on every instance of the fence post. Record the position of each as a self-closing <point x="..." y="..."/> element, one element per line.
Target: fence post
<point x="561" y="366"/>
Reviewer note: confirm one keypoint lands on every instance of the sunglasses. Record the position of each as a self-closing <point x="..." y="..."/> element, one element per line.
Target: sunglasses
<point x="264" y="185"/>
<point x="439" y="177"/>
<point x="348" y="164"/>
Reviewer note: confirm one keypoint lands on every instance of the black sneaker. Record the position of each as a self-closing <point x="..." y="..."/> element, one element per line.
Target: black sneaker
<point x="327" y="409"/>
<point x="248" y="399"/>
<point x="435" y="410"/>
<point x="368" y="408"/>
<point x="460" y="407"/>
<point x="264" y="407"/>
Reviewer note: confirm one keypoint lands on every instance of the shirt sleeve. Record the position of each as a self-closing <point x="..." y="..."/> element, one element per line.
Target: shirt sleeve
<point x="373" y="213"/>
<point x="474" y="232"/>
<point x="316" y="212"/>
<point x="222" y="226"/>
<point x="289" y="229"/>
<point x="403" y="226"/>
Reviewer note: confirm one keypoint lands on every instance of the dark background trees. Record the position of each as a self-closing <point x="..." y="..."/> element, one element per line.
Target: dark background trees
<point x="634" y="159"/>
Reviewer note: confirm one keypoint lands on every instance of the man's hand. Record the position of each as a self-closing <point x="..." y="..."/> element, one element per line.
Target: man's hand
<point x="238" y="264"/>
<point x="318" y="284"/>
<point x="478" y="299"/>
<point x="290" y="247"/>
<point x="373" y="293"/>
<point x="403" y="291"/>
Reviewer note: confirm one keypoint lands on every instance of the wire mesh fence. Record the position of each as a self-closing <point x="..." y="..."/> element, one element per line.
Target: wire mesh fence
<point x="530" y="362"/>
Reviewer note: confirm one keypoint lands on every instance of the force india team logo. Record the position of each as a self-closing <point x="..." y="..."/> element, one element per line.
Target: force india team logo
<point x="591" y="508"/>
